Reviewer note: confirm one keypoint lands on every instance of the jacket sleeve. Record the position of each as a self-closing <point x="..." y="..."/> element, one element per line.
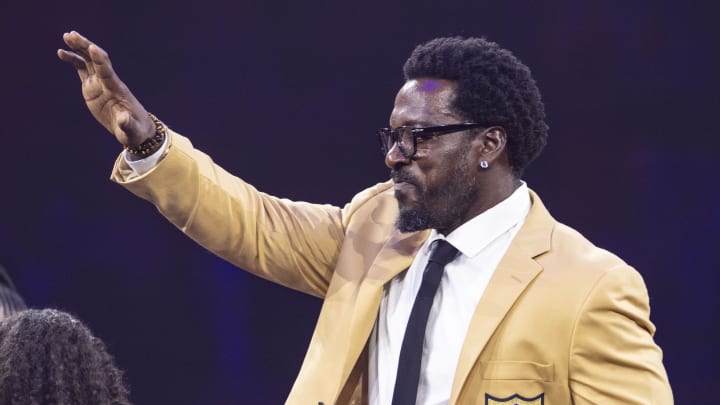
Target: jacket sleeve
<point x="292" y="243"/>
<point x="613" y="358"/>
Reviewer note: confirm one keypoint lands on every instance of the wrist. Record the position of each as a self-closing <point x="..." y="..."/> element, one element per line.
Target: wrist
<point x="150" y="145"/>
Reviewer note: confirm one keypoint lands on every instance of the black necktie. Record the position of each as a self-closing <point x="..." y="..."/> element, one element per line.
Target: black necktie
<point x="408" y="372"/>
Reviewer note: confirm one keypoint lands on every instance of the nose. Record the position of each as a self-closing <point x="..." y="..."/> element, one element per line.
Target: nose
<point x="395" y="157"/>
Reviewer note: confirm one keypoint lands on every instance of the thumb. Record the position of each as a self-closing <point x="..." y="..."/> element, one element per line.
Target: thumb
<point x="129" y="129"/>
<point x="122" y="127"/>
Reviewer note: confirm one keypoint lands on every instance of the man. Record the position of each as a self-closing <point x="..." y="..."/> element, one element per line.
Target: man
<point x="451" y="283"/>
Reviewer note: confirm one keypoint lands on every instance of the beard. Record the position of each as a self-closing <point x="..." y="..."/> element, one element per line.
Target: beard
<point x="437" y="208"/>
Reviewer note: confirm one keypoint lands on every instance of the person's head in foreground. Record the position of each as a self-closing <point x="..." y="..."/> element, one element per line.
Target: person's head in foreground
<point x="48" y="357"/>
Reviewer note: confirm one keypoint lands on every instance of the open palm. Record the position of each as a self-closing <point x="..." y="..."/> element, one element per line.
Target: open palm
<point x="107" y="97"/>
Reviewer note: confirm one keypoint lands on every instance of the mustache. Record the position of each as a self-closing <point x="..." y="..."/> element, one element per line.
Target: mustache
<point x="400" y="176"/>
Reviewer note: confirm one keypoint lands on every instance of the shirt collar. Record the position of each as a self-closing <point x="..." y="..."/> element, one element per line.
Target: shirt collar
<point x="474" y="235"/>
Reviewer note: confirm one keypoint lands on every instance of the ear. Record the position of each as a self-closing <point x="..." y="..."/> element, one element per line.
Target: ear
<point x="490" y="145"/>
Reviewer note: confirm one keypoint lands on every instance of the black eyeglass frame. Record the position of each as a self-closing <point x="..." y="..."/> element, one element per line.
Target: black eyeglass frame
<point x="393" y="134"/>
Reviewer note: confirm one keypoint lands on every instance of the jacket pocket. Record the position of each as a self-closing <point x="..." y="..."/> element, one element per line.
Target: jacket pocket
<point x="517" y="370"/>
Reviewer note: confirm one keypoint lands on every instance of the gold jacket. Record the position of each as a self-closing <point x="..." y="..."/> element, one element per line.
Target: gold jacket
<point x="561" y="321"/>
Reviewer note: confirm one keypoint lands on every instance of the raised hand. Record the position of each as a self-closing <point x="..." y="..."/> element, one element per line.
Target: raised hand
<point x="107" y="97"/>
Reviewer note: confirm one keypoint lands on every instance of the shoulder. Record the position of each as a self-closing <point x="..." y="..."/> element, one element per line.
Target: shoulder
<point x="560" y="248"/>
<point x="383" y="190"/>
<point x="574" y="260"/>
<point x="576" y="263"/>
<point x="586" y="279"/>
<point x="376" y="203"/>
<point x="573" y="248"/>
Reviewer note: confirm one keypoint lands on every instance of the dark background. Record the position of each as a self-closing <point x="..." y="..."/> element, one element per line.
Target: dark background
<point x="288" y="94"/>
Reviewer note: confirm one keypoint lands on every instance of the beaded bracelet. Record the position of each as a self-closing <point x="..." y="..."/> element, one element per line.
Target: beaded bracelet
<point x="150" y="145"/>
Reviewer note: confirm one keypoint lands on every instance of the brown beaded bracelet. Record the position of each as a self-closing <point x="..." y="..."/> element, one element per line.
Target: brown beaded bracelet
<point x="150" y="145"/>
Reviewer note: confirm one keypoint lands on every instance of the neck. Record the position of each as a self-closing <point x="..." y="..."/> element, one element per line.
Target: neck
<point x="488" y="196"/>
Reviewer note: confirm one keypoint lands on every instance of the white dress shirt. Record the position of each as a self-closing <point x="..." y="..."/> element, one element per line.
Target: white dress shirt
<point x="144" y="165"/>
<point x="482" y="242"/>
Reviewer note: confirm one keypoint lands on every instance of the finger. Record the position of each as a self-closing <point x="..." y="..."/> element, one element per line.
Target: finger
<point x="122" y="120"/>
<point x="122" y="117"/>
<point x="76" y="60"/>
<point x="72" y="58"/>
<point x="77" y="43"/>
<point x="131" y="126"/>
<point x="80" y="45"/>
<point x="127" y="123"/>
<point x="101" y="60"/>
<point x="104" y="70"/>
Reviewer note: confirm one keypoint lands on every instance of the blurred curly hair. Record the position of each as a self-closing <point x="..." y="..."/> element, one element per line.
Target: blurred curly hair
<point x="493" y="88"/>
<point x="10" y="300"/>
<point x="47" y="357"/>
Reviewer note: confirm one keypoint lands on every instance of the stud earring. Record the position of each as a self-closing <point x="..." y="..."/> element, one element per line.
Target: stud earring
<point x="484" y="164"/>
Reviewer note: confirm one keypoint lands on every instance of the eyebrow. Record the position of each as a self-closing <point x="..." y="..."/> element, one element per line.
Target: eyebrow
<point x="414" y="123"/>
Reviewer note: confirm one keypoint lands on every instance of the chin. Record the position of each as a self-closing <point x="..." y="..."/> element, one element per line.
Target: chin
<point x="411" y="220"/>
<point x="401" y="198"/>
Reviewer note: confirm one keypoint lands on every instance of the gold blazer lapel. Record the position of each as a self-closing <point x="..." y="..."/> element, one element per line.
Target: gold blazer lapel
<point x="514" y="273"/>
<point x="396" y="256"/>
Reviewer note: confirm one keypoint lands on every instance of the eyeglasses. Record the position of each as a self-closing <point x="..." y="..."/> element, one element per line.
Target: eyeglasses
<point x="407" y="138"/>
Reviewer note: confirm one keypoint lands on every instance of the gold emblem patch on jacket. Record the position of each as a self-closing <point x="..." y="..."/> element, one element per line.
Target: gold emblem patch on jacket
<point x="516" y="399"/>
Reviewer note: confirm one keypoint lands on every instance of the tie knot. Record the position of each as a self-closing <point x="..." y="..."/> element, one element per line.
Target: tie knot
<point x="442" y="252"/>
